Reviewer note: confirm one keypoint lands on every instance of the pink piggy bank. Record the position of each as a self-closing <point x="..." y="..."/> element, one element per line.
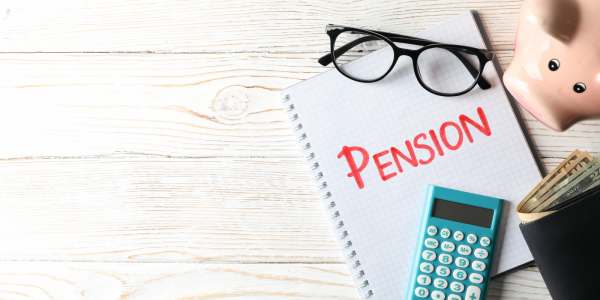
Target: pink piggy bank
<point x="555" y="73"/>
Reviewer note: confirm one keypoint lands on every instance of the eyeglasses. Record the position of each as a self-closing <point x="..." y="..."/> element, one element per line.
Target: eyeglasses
<point x="442" y="69"/>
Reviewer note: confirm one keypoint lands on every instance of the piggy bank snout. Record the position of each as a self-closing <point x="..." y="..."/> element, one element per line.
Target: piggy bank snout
<point x="543" y="102"/>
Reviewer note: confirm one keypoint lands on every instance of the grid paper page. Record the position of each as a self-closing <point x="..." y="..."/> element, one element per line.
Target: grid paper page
<point x="382" y="218"/>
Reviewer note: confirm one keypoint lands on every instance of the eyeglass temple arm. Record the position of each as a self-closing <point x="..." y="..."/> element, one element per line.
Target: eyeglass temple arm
<point x="327" y="59"/>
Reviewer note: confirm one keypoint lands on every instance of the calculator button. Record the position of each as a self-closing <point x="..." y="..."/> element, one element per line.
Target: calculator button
<point x="476" y="278"/>
<point x="438" y="295"/>
<point x="429" y="255"/>
<point x="485" y="241"/>
<point x="464" y="250"/>
<point x="454" y="297"/>
<point x="462" y="262"/>
<point x="431" y="243"/>
<point x="473" y="293"/>
<point x="478" y="265"/>
<point x="457" y="287"/>
<point x="421" y="292"/>
<point x="432" y="230"/>
<point x="459" y="274"/>
<point x="445" y="258"/>
<point x="440" y="283"/>
<point x="426" y="267"/>
<point x="448" y="246"/>
<point x="424" y="280"/>
<point x="445" y="233"/>
<point x="472" y="239"/>
<point x="481" y="253"/>
<point x="443" y="271"/>
<point x="459" y="236"/>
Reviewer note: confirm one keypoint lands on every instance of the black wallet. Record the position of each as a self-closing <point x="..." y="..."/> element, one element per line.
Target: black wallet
<point x="564" y="245"/>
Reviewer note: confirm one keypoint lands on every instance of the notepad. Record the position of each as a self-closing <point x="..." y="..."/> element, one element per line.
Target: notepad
<point x="472" y="143"/>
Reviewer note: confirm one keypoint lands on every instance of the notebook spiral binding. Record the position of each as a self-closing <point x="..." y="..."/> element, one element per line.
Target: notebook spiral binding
<point x="334" y="214"/>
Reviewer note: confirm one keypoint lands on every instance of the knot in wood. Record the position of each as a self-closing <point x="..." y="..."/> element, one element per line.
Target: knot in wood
<point x="232" y="103"/>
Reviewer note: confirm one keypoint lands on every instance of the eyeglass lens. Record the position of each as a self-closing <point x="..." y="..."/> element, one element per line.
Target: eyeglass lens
<point x="351" y="45"/>
<point x="442" y="69"/>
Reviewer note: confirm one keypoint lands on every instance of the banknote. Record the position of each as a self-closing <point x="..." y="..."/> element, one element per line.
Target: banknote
<point x="574" y="185"/>
<point x="567" y="171"/>
<point x="548" y="190"/>
<point x="534" y="192"/>
<point x="595" y="184"/>
<point x="553" y="186"/>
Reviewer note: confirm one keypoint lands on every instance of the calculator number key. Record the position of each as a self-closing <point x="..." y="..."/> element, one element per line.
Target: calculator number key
<point x="432" y="230"/>
<point x="445" y="233"/>
<point x="471" y="239"/>
<point x="459" y="274"/>
<point x="421" y="292"/>
<point x="424" y="280"/>
<point x="429" y="255"/>
<point x="457" y="287"/>
<point x="445" y="258"/>
<point x="464" y="250"/>
<point x="443" y="271"/>
<point x="485" y="241"/>
<point x="481" y="253"/>
<point x="454" y="297"/>
<point x="440" y="283"/>
<point x="459" y="236"/>
<point x="431" y="243"/>
<point x="476" y="278"/>
<point x="473" y="293"/>
<point x="478" y="265"/>
<point x="438" y="295"/>
<point x="426" y="267"/>
<point x="462" y="262"/>
<point x="448" y="246"/>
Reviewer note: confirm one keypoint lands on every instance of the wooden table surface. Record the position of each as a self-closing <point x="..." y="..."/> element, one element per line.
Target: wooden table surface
<point x="145" y="153"/>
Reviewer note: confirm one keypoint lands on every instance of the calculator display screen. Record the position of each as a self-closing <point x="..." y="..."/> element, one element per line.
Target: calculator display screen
<point x="462" y="213"/>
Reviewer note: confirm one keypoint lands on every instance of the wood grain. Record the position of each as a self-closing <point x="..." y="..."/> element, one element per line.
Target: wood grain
<point x="219" y="209"/>
<point x="225" y="26"/>
<point x="169" y="105"/>
<point x="187" y="281"/>
<point x="176" y="281"/>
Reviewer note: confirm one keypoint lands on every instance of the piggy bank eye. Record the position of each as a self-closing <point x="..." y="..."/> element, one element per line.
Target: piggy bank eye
<point x="553" y="65"/>
<point x="579" y="87"/>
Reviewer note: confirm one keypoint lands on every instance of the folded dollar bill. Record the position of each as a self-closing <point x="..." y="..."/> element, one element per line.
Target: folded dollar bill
<point x="578" y="173"/>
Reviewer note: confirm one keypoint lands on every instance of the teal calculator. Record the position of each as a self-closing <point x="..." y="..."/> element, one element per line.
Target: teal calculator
<point x="455" y="248"/>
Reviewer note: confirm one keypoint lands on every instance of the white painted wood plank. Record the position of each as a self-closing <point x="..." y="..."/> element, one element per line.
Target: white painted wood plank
<point x="176" y="105"/>
<point x="177" y="281"/>
<point x="149" y="209"/>
<point x="173" y="105"/>
<point x="221" y="25"/>
<point x="523" y="284"/>
<point x="125" y="281"/>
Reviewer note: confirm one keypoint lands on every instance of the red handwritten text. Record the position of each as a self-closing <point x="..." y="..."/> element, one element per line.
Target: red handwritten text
<point x="419" y="142"/>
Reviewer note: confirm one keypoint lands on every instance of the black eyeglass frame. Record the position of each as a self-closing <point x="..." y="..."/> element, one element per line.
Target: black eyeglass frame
<point x="484" y="56"/>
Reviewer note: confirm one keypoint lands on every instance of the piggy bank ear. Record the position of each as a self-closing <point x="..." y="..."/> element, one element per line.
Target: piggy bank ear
<point x="558" y="18"/>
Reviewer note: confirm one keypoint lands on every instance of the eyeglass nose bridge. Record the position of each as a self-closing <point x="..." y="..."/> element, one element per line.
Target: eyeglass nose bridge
<point x="399" y="52"/>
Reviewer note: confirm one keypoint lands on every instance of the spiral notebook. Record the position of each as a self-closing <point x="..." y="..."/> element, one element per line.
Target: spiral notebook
<point x="486" y="150"/>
